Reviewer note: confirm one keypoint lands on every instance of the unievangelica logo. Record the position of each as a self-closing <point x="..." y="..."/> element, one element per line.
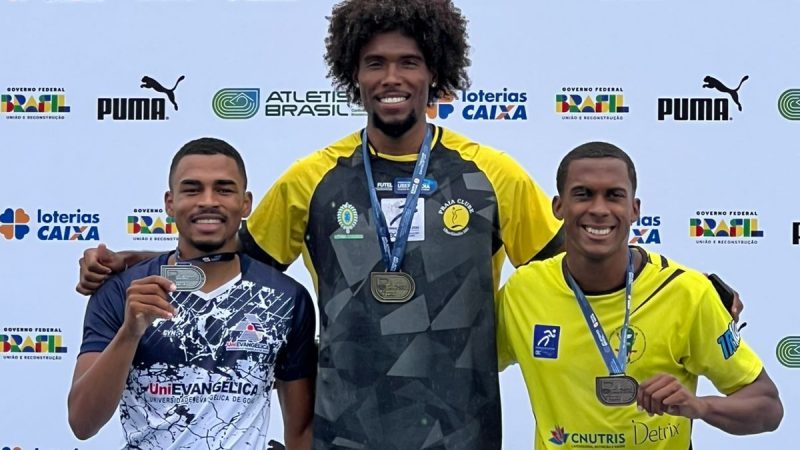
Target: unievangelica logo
<point x="788" y="351"/>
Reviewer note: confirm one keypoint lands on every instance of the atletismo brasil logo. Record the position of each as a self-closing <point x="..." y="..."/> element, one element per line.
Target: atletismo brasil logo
<point x="239" y="103"/>
<point x="788" y="351"/>
<point x="789" y="104"/>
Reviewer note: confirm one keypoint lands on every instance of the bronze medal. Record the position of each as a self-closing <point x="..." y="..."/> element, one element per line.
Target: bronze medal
<point x="391" y="287"/>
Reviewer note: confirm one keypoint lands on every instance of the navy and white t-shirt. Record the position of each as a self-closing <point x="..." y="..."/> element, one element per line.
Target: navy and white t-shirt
<point x="203" y="379"/>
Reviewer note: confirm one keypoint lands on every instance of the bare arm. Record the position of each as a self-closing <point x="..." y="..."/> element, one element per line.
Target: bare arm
<point x="297" y="406"/>
<point x="755" y="408"/>
<point x="99" y="378"/>
<point x="97" y="385"/>
<point x="98" y="264"/>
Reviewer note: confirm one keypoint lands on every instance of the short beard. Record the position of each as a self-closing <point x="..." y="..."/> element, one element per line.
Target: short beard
<point x="395" y="130"/>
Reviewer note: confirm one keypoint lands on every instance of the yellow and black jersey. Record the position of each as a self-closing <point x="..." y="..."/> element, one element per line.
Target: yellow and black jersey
<point x="677" y="326"/>
<point x="421" y="374"/>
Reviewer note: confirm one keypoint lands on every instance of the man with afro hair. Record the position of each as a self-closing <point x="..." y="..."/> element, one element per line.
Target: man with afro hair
<point x="407" y="346"/>
<point x="404" y="227"/>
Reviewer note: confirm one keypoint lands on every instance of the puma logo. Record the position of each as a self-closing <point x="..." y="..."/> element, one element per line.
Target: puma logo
<point x="150" y="83"/>
<point x="713" y="83"/>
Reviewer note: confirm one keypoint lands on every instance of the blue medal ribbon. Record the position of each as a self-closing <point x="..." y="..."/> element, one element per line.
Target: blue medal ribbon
<point x="393" y="255"/>
<point x="615" y="363"/>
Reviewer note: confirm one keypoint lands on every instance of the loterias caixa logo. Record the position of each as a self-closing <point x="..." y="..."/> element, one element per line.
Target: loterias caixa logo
<point x="49" y="225"/>
<point x="137" y="108"/>
<point x="710" y="109"/>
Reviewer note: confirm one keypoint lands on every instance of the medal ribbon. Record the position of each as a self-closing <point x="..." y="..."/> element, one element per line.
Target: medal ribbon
<point x="215" y="257"/>
<point x="615" y="363"/>
<point x="393" y="255"/>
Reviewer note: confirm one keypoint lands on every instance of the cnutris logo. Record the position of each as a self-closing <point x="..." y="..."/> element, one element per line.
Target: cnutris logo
<point x="587" y="440"/>
<point x="702" y="108"/>
<point x="220" y="387"/>
<point x="139" y="108"/>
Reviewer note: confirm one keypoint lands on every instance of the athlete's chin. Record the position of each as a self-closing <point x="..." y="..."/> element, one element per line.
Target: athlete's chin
<point x="394" y="126"/>
<point x="207" y="245"/>
<point x="601" y="251"/>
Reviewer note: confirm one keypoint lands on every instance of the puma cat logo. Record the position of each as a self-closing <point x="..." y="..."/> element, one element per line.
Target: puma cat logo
<point x="150" y="83"/>
<point x="713" y="83"/>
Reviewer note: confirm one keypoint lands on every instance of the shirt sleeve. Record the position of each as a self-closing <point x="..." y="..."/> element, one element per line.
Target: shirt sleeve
<point x="527" y="223"/>
<point x="716" y="349"/>
<point x="278" y="224"/>
<point x="298" y="359"/>
<point x="105" y="313"/>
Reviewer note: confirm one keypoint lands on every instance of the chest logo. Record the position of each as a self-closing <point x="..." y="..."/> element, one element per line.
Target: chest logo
<point x="637" y="343"/>
<point x="248" y="335"/>
<point x="545" y="341"/>
<point x="455" y="216"/>
<point x="347" y="218"/>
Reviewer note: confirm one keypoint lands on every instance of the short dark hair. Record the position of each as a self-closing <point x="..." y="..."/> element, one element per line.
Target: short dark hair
<point x="437" y="26"/>
<point x="208" y="146"/>
<point x="594" y="150"/>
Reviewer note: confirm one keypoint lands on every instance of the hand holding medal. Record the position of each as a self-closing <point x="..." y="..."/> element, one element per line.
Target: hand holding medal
<point x="147" y="300"/>
<point x="665" y="394"/>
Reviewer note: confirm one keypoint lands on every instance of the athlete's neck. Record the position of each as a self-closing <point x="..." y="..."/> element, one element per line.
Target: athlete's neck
<point x="406" y="144"/>
<point x="217" y="273"/>
<point x="601" y="274"/>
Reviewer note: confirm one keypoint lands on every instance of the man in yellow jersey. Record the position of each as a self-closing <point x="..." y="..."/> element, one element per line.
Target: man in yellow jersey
<point x="561" y="319"/>
<point x="404" y="227"/>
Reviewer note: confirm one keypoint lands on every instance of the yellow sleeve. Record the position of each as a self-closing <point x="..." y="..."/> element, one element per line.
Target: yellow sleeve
<point x="716" y="350"/>
<point x="279" y="221"/>
<point x="278" y="224"/>
<point x="527" y="223"/>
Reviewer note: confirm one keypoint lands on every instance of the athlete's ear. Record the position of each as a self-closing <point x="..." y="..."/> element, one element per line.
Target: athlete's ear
<point x="557" y="208"/>
<point x="637" y="204"/>
<point x="168" y="203"/>
<point x="247" y="207"/>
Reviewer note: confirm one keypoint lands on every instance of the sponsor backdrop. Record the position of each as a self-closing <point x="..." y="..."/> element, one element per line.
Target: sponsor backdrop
<point x="95" y="98"/>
